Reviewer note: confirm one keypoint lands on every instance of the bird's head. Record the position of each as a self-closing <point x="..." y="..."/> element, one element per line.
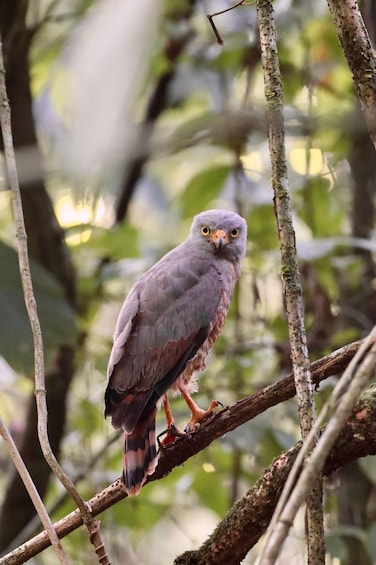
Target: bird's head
<point x="220" y="232"/>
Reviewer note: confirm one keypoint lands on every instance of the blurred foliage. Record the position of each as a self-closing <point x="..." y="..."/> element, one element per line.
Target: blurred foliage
<point x="56" y="317"/>
<point x="207" y="149"/>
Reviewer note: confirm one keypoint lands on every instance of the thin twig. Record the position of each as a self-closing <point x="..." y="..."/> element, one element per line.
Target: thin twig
<point x="214" y="27"/>
<point x="31" y="306"/>
<point x="292" y="288"/>
<point x="33" y="493"/>
<point x="34" y="525"/>
<point x="5" y="121"/>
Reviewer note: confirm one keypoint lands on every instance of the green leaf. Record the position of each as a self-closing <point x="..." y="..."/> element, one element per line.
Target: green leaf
<point x="56" y="317"/>
<point x="202" y="189"/>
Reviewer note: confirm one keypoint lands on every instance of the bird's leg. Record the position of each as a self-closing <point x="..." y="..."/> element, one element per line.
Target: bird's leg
<point x="197" y="413"/>
<point x="172" y="431"/>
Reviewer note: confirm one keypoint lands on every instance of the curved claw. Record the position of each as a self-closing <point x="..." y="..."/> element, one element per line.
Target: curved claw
<point x="218" y="403"/>
<point x="172" y="432"/>
<point x="199" y="415"/>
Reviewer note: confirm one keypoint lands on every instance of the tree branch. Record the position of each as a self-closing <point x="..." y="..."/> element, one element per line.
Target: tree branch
<point x="247" y="520"/>
<point x="356" y="45"/>
<point x="340" y="404"/>
<point x="292" y="288"/>
<point x="34" y="525"/>
<point x="47" y="246"/>
<point x="215" y="427"/>
<point x="211" y="20"/>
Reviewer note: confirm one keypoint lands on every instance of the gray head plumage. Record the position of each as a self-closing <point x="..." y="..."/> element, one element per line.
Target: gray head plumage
<point x="220" y="232"/>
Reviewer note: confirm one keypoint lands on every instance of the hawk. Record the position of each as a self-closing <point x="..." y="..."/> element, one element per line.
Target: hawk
<point x="166" y="327"/>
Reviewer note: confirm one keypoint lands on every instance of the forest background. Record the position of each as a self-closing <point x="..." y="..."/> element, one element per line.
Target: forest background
<point x="127" y="121"/>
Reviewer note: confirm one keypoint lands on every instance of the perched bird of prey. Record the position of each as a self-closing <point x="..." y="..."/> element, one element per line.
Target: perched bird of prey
<point x="167" y="325"/>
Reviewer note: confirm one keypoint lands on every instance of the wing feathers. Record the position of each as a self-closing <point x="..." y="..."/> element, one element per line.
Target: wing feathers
<point x="157" y="327"/>
<point x="127" y="408"/>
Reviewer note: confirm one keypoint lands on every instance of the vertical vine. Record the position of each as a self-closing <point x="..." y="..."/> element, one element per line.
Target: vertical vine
<point x="291" y="283"/>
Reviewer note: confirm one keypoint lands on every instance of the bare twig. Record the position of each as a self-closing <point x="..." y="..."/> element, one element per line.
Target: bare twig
<point x="342" y="402"/>
<point x="31" y="306"/>
<point x="211" y="21"/>
<point x="34" y="525"/>
<point x="289" y="266"/>
<point x="33" y="493"/>
<point x="5" y="121"/>
<point x="186" y="447"/>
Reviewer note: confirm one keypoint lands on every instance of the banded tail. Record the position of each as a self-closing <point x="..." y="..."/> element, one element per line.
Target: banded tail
<point x="140" y="453"/>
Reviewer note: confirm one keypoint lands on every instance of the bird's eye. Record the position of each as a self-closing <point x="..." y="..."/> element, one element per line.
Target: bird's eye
<point x="235" y="232"/>
<point x="205" y="230"/>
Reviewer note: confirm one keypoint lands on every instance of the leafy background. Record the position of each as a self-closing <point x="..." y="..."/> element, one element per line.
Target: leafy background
<point x="188" y="134"/>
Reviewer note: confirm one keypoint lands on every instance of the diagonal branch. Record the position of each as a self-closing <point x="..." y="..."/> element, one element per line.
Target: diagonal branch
<point x="33" y="525"/>
<point x="218" y="425"/>
<point x="211" y="20"/>
<point x="32" y="491"/>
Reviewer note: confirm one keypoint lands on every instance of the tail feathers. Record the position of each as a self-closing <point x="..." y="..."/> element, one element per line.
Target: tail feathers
<point x="140" y="454"/>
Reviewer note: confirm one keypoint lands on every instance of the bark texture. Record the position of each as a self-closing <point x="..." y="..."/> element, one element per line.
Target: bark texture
<point x="356" y="45"/>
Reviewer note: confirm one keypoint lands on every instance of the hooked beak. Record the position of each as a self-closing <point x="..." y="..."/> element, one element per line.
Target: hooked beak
<point x="219" y="239"/>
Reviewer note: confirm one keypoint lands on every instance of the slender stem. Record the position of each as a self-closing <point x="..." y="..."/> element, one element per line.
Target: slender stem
<point x="5" y="121"/>
<point x="292" y="288"/>
<point x="214" y="27"/>
<point x="31" y="306"/>
<point x="33" y="493"/>
<point x="360" y="55"/>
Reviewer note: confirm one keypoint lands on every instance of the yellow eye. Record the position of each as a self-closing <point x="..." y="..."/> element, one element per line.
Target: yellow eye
<point x="205" y="230"/>
<point x="235" y="232"/>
